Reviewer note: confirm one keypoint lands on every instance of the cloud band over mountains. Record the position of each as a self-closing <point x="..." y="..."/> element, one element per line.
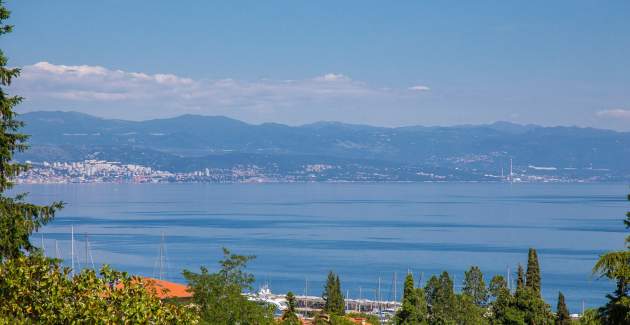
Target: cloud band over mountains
<point x="114" y="93"/>
<point x="82" y="84"/>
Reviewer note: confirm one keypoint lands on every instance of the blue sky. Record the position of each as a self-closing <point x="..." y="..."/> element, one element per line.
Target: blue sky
<point x="375" y="62"/>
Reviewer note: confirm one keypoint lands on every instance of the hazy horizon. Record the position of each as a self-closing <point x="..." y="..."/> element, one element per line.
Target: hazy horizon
<point x="323" y="121"/>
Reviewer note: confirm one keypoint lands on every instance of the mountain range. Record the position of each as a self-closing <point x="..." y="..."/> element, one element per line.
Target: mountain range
<point x="193" y="142"/>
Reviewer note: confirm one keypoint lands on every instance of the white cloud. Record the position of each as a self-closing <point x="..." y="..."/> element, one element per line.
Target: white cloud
<point x="333" y="77"/>
<point x="95" y="83"/>
<point x="122" y="94"/>
<point x="419" y="88"/>
<point x="615" y="113"/>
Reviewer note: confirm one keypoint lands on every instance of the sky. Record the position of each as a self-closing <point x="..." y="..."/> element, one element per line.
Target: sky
<point x="387" y="63"/>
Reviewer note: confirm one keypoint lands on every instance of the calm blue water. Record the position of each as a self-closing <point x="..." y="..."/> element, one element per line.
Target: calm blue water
<point x="361" y="231"/>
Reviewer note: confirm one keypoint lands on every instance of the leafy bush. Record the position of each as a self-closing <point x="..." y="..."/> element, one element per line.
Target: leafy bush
<point x="36" y="289"/>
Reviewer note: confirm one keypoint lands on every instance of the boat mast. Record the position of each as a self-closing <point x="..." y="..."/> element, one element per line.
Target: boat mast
<point x="395" y="288"/>
<point x="379" y="296"/>
<point x="86" y="249"/>
<point x="72" y="247"/>
<point x="306" y="295"/>
<point x="56" y="249"/>
<point x="162" y="257"/>
<point x="88" y="252"/>
<point x="509" y="285"/>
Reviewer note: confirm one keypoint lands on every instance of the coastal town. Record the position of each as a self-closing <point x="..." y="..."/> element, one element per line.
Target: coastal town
<point x="103" y="171"/>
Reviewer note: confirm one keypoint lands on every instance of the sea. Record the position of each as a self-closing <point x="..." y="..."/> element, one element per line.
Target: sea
<point x="371" y="234"/>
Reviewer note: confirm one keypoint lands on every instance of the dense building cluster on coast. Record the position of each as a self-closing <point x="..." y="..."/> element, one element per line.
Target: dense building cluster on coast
<point x="102" y="171"/>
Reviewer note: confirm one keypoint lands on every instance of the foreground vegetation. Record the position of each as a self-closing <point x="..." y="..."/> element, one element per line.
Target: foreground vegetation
<point x="37" y="289"/>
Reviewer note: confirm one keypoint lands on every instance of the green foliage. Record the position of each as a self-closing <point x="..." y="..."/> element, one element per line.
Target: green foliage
<point x="414" y="306"/>
<point x="370" y="319"/>
<point x="563" y="317"/>
<point x="340" y="320"/>
<point x="504" y="309"/>
<point x="430" y="290"/>
<point x="616" y="267"/>
<point x="18" y="219"/>
<point x="446" y="307"/>
<point x="289" y="317"/>
<point x="219" y="295"/>
<point x="475" y="287"/>
<point x="532" y="278"/>
<point x="441" y="299"/>
<point x="525" y="306"/>
<point x="498" y="284"/>
<point x="590" y="317"/>
<point x="326" y="319"/>
<point x="333" y="298"/>
<point x="34" y="289"/>
<point x="468" y="311"/>
<point x="534" y="307"/>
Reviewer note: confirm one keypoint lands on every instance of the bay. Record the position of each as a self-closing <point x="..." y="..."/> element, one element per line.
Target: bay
<point x="361" y="231"/>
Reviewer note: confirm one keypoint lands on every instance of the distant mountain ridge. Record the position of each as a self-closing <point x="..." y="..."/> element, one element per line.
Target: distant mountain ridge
<point x="191" y="141"/>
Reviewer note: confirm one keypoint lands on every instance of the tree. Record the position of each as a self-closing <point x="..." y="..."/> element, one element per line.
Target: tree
<point x="475" y="287"/>
<point x="526" y="306"/>
<point x="616" y="267"/>
<point x="533" y="272"/>
<point x="528" y="299"/>
<point x="37" y="290"/>
<point x="590" y="317"/>
<point x="534" y="307"/>
<point x="414" y="306"/>
<point x="497" y="285"/>
<point x="504" y="309"/>
<point x="563" y="316"/>
<point x="289" y="317"/>
<point x="334" y="302"/>
<point x="219" y="295"/>
<point x="18" y="219"/>
<point x="468" y="311"/>
<point x="444" y="302"/>
<point x="430" y="290"/>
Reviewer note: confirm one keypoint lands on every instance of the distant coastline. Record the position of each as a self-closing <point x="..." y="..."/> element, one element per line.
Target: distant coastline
<point x="100" y="171"/>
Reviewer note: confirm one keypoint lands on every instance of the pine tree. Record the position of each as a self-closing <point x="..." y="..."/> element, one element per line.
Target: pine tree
<point x="333" y="298"/>
<point x="289" y="317"/>
<point x="529" y="299"/>
<point x="431" y="289"/>
<point x="562" y="312"/>
<point x="444" y="302"/>
<point x="341" y="300"/>
<point x="533" y="272"/>
<point x="475" y="287"/>
<point x="18" y="219"/>
<point x="414" y="307"/>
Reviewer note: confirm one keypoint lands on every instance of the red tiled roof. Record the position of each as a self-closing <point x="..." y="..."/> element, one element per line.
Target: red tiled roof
<point x="165" y="289"/>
